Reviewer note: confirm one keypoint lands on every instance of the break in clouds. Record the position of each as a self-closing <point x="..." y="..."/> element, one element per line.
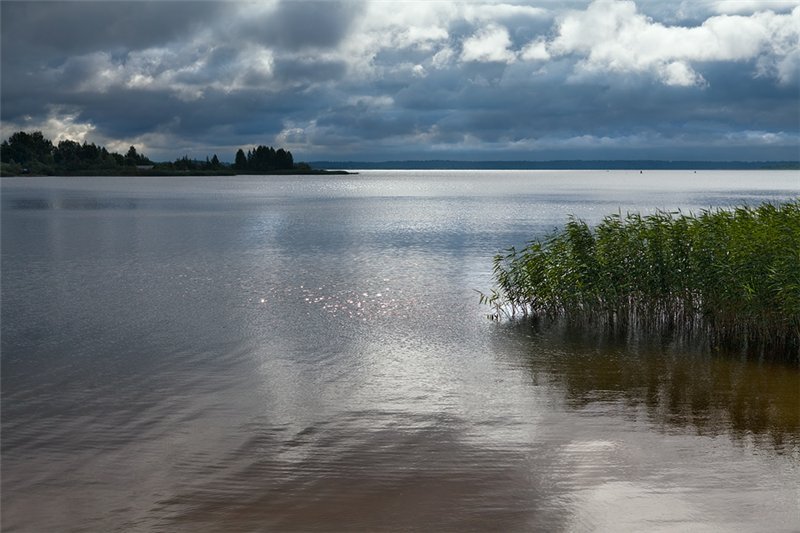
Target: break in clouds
<point x="434" y="80"/>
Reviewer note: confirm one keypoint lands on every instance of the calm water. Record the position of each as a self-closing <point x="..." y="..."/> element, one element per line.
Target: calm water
<point x="306" y="354"/>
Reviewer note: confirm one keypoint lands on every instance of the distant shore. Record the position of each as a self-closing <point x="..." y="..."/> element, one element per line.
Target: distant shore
<point x="594" y="164"/>
<point x="156" y="172"/>
<point x="32" y="154"/>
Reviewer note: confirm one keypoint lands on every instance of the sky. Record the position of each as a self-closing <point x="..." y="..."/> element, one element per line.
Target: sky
<point x="379" y="80"/>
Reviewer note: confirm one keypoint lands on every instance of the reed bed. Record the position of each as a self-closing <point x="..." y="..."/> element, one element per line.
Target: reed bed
<point x="728" y="276"/>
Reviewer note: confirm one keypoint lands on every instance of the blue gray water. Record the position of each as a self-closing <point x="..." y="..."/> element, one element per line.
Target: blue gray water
<point x="308" y="354"/>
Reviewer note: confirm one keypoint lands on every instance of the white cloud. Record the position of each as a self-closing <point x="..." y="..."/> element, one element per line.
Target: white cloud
<point x="752" y="6"/>
<point x="295" y="135"/>
<point x="612" y="36"/>
<point x="429" y="26"/>
<point x="489" y="44"/>
<point x="60" y="124"/>
<point x="414" y="26"/>
<point x="681" y="74"/>
<point x="442" y="58"/>
<point x="783" y="61"/>
<point x="750" y="137"/>
<point x="481" y="13"/>
<point x="423" y="38"/>
<point x="535" y="51"/>
<point x="185" y="72"/>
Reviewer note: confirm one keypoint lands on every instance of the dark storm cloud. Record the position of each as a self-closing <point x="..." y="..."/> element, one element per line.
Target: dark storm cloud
<point x="514" y="108"/>
<point x="259" y="112"/>
<point x="50" y="48"/>
<point x="409" y="80"/>
<point x="61" y="29"/>
<point x="369" y="123"/>
<point x="294" y="25"/>
<point x="303" y="71"/>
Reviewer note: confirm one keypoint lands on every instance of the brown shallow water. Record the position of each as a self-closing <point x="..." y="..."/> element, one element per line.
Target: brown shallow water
<point x="267" y="355"/>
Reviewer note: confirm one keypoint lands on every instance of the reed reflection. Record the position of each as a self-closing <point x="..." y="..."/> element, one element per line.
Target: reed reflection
<point x="679" y="388"/>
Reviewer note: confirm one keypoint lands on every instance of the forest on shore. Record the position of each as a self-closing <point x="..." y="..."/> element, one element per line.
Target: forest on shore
<point x="33" y="154"/>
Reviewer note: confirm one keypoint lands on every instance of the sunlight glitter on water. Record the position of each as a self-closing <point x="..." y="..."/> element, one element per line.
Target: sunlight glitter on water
<point x="347" y="303"/>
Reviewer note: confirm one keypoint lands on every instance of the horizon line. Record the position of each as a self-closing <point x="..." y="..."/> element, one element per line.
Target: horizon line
<point x="559" y="164"/>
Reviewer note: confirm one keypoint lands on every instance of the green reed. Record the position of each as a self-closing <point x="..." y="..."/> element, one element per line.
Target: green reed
<point x="731" y="277"/>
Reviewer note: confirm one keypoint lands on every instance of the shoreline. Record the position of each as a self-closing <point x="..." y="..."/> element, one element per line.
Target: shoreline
<point x="157" y="174"/>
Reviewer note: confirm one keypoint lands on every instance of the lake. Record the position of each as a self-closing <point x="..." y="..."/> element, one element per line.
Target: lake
<point x="309" y="354"/>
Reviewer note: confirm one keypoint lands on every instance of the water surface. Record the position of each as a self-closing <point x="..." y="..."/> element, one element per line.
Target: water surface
<point x="308" y="354"/>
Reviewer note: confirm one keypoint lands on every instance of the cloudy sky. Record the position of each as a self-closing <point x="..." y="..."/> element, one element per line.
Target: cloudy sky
<point x="378" y="80"/>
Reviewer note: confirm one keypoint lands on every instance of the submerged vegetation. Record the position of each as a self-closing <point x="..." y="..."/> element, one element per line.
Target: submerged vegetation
<point x="728" y="277"/>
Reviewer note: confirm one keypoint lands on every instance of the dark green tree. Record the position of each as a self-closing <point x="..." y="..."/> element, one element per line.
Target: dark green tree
<point x="67" y="155"/>
<point x="283" y="159"/>
<point x="131" y="158"/>
<point x="184" y="163"/>
<point x="26" y="148"/>
<point x="90" y="154"/>
<point x="240" y="163"/>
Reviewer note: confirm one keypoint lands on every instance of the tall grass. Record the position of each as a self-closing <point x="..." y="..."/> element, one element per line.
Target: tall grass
<point x="731" y="277"/>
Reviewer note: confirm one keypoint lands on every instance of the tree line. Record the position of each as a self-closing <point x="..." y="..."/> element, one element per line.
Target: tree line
<point x="263" y="158"/>
<point x="33" y="153"/>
